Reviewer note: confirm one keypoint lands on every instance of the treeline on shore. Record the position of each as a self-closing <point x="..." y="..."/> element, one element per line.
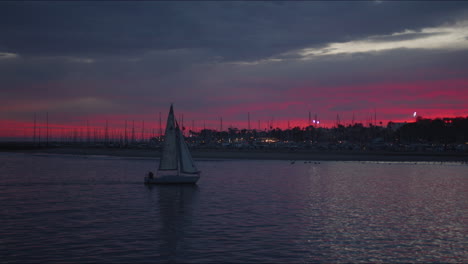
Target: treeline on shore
<point x="439" y="130"/>
<point x="445" y="133"/>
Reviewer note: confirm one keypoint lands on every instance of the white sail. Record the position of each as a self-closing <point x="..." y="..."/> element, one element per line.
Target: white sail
<point x="169" y="159"/>
<point x="176" y="165"/>
<point x="186" y="162"/>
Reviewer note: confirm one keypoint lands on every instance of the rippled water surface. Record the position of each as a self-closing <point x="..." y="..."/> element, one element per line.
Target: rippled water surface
<point x="97" y="209"/>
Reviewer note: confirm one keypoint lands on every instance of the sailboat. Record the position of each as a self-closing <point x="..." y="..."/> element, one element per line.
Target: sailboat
<point x="176" y="164"/>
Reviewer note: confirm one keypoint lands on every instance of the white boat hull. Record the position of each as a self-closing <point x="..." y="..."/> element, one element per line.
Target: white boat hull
<point x="172" y="179"/>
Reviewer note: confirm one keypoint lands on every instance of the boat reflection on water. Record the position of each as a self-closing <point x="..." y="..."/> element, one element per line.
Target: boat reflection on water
<point x="175" y="205"/>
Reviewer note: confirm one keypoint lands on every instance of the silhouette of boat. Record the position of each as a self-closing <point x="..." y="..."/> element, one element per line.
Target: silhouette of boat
<point x="176" y="164"/>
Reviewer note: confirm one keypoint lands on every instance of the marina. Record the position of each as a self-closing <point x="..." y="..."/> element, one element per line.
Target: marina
<point x="233" y="132"/>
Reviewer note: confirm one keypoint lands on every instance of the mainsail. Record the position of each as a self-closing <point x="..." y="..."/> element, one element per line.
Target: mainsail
<point x="176" y="164"/>
<point x="176" y="155"/>
<point x="169" y="155"/>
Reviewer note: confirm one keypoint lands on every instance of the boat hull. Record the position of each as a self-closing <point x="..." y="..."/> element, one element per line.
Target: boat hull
<point x="172" y="179"/>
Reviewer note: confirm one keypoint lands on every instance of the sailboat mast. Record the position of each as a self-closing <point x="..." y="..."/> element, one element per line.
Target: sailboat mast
<point x="375" y="117"/>
<point x="47" y="128"/>
<point x="133" y="131"/>
<point x="106" y="132"/>
<point x="34" y="134"/>
<point x="125" y="134"/>
<point x="143" y="131"/>
<point x="160" y="125"/>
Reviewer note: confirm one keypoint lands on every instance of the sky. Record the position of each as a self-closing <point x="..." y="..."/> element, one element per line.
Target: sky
<point x="80" y="64"/>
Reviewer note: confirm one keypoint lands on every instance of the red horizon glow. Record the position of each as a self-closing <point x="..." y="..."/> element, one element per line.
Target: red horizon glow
<point x="25" y="130"/>
<point x="386" y="102"/>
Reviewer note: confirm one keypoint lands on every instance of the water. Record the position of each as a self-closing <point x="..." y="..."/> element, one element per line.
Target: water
<point x="96" y="209"/>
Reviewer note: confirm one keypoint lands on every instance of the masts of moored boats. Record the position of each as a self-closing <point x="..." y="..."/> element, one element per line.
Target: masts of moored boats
<point x="220" y="123"/>
<point x="34" y="135"/>
<point x="160" y="126"/>
<point x="106" y="133"/>
<point x="47" y="128"/>
<point x="125" y="134"/>
<point x="133" y="131"/>
<point x="142" y="131"/>
<point x="88" y="136"/>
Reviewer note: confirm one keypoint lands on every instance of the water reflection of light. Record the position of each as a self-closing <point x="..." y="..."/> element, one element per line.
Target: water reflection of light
<point x="381" y="211"/>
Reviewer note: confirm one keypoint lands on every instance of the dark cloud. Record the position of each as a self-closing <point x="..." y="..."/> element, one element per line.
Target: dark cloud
<point x="131" y="57"/>
<point x="228" y="30"/>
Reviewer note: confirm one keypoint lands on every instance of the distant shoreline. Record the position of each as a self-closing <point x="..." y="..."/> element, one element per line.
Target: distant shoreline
<point x="259" y="154"/>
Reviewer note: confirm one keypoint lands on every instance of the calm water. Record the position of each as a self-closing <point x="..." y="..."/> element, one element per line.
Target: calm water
<point x="96" y="209"/>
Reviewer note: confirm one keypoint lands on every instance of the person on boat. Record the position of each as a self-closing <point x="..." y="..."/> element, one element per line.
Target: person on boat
<point x="150" y="175"/>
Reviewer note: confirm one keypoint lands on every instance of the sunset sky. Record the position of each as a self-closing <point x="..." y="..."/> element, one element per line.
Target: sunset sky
<point x="87" y="62"/>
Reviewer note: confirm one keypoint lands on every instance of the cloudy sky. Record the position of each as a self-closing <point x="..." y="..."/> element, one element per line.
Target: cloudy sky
<point x="95" y="61"/>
